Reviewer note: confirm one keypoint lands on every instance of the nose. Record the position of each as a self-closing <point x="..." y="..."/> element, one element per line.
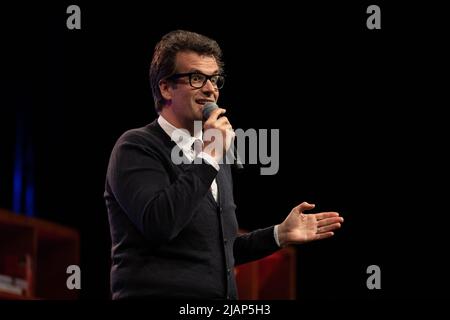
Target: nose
<point x="209" y="87"/>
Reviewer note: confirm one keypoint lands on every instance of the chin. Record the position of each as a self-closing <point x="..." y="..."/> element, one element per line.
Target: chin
<point x="198" y="113"/>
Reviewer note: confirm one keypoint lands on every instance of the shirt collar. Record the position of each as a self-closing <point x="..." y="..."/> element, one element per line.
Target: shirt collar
<point x="187" y="140"/>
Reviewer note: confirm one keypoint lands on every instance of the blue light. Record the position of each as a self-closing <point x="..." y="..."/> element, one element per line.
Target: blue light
<point x="23" y="178"/>
<point x="29" y="191"/>
<point x="18" y="167"/>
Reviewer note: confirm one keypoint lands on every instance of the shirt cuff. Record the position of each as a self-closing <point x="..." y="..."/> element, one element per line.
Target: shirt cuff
<point x="275" y="235"/>
<point x="209" y="159"/>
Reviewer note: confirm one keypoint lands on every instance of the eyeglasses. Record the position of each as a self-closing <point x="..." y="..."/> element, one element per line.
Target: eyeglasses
<point x="198" y="80"/>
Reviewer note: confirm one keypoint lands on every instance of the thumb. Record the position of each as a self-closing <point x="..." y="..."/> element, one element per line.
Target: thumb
<point x="305" y="206"/>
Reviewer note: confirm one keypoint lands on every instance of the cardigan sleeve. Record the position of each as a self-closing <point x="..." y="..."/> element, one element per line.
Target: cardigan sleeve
<point x="254" y="245"/>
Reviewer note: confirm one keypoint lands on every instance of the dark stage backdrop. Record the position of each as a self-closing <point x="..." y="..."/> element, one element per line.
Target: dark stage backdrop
<point x="359" y="114"/>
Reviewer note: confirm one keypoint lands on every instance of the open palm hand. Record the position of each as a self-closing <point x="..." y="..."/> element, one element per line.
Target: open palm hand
<point x="299" y="227"/>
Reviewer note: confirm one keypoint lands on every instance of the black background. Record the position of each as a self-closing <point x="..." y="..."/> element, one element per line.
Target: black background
<point x="360" y="114"/>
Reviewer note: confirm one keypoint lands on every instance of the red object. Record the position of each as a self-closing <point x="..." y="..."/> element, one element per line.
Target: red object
<point x="270" y="278"/>
<point x="14" y="265"/>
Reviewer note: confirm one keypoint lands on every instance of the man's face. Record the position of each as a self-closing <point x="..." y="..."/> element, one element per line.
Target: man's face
<point x="187" y="102"/>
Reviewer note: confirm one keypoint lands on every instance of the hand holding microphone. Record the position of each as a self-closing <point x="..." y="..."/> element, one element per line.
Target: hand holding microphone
<point x="215" y="120"/>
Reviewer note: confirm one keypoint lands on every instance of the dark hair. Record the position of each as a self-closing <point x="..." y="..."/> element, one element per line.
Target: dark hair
<point x="163" y="62"/>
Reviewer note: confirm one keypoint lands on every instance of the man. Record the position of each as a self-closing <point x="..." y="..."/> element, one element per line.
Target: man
<point x="173" y="226"/>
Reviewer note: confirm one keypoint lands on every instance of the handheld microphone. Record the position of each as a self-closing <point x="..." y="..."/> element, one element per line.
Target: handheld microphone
<point x="207" y="109"/>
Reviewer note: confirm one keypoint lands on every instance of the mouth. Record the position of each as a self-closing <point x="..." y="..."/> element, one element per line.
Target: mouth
<point x="203" y="101"/>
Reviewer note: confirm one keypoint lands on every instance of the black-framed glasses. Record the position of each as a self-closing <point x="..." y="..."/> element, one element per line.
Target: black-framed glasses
<point x="198" y="80"/>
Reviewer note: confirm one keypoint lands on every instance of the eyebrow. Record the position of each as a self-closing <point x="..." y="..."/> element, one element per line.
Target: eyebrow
<point x="196" y="70"/>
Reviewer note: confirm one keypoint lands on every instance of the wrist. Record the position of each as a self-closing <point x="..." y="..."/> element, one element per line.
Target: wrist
<point x="281" y="233"/>
<point x="209" y="159"/>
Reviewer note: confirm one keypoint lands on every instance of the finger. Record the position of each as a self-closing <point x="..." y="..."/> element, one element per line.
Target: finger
<point x="324" y="235"/>
<point x="222" y="120"/>
<point x="324" y="215"/>
<point x="223" y="125"/>
<point x="215" y="114"/>
<point x="331" y="227"/>
<point x="328" y="221"/>
<point x="305" y="206"/>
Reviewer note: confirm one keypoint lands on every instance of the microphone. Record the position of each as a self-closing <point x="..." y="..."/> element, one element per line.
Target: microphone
<point x="207" y="109"/>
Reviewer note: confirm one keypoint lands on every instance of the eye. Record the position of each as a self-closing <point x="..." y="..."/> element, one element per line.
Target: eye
<point x="196" y="77"/>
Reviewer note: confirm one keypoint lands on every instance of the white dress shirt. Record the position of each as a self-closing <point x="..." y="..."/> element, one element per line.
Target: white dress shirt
<point x="185" y="144"/>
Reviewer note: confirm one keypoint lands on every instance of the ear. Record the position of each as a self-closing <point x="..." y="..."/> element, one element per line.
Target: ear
<point x="166" y="89"/>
